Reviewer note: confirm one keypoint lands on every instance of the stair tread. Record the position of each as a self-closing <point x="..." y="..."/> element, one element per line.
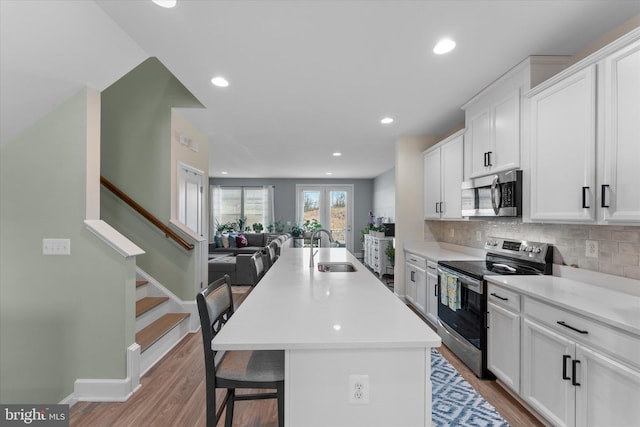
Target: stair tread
<point x="145" y="304"/>
<point x="141" y="283"/>
<point x="152" y="333"/>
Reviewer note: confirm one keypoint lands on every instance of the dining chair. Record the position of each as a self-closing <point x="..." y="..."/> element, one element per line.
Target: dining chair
<point x="270" y="255"/>
<point x="231" y="370"/>
<point x="257" y="267"/>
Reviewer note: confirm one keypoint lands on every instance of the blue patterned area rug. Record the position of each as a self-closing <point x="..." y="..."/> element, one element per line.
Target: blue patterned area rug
<point x="455" y="402"/>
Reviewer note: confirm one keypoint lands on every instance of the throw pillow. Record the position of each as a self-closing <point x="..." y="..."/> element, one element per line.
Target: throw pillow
<point x="218" y="241"/>
<point x="241" y="241"/>
<point x="225" y="240"/>
<point x="232" y="240"/>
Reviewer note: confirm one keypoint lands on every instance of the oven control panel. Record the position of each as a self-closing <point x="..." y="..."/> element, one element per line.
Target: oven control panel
<point x="518" y="248"/>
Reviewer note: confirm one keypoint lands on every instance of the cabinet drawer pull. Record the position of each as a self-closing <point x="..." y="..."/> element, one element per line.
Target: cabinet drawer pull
<point x="603" y="195"/>
<point x="565" y="357"/>
<point x="584" y="198"/>
<point x="493" y="294"/>
<point x="562" y="323"/>
<point x="574" y="369"/>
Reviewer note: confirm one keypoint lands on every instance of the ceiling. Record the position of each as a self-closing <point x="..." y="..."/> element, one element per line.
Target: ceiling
<point x="307" y="78"/>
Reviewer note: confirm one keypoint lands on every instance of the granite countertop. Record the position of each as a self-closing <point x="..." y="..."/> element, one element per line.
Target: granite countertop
<point x="297" y="307"/>
<point x="609" y="306"/>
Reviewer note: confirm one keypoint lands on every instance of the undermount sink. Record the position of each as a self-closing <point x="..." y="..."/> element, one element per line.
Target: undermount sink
<point x="336" y="267"/>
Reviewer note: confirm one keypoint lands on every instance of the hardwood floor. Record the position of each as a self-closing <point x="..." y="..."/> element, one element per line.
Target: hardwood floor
<point x="172" y="393"/>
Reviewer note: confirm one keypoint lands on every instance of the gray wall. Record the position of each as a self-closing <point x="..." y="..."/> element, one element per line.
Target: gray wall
<point x="285" y="198"/>
<point x="61" y="317"/>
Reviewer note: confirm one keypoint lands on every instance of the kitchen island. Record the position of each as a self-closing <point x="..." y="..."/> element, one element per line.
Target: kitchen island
<point x="337" y="329"/>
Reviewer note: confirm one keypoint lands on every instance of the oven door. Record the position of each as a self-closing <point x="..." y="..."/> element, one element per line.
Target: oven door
<point x="462" y="308"/>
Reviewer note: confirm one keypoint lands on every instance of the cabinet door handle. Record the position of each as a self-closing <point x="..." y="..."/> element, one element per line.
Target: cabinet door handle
<point x="489" y="158"/>
<point x="437" y="207"/>
<point x="493" y="294"/>
<point x="574" y="369"/>
<point x="584" y="198"/>
<point x="603" y="195"/>
<point x="413" y="273"/>
<point x="563" y="323"/>
<point x="485" y="160"/>
<point x="435" y="290"/>
<point x="565" y="357"/>
<point x="441" y="208"/>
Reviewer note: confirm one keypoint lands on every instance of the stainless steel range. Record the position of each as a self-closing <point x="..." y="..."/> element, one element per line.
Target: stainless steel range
<point x="462" y="302"/>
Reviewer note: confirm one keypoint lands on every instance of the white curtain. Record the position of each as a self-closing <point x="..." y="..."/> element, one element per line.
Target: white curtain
<point x="267" y="206"/>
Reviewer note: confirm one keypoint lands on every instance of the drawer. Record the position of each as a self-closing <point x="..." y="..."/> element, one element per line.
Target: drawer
<point x="416" y="259"/>
<point x="616" y="342"/>
<point x="503" y="297"/>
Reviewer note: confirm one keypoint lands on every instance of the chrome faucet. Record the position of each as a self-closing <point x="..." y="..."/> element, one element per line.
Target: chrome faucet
<point x="314" y="235"/>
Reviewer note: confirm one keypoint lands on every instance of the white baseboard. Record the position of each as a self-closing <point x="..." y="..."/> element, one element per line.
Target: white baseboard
<point x="109" y="390"/>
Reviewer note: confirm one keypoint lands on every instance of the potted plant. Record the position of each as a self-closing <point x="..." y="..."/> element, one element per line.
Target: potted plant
<point x="257" y="227"/>
<point x="296" y="231"/>
<point x="390" y="252"/>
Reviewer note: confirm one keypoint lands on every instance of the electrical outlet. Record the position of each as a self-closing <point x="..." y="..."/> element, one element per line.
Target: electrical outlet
<point x="478" y="236"/>
<point x="592" y="249"/>
<point x="359" y="389"/>
<point x="56" y="247"/>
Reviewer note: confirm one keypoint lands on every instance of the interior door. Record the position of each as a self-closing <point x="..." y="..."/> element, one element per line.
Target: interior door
<point x="190" y="194"/>
<point x="331" y="206"/>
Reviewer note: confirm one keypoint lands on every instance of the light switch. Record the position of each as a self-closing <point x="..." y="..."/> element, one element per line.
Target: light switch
<point x="56" y="246"/>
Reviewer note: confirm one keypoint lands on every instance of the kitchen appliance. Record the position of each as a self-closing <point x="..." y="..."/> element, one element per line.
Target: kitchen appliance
<point x="494" y="195"/>
<point x="462" y="300"/>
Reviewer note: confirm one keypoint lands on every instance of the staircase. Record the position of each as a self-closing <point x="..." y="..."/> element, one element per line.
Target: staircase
<point x="161" y="322"/>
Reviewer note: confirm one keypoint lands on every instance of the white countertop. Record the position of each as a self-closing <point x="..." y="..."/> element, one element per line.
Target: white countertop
<point x="611" y="307"/>
<point x="296" y="307"/>
<point x="444" y="252"/>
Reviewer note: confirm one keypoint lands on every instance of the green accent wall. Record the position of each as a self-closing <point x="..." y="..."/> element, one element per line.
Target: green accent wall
<point x="61" y="317"/>
<point x="136" y="157"/>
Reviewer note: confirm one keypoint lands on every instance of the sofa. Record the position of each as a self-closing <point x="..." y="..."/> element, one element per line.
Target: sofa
<point x="236" y="262"/>
<point x="229" y="243"/>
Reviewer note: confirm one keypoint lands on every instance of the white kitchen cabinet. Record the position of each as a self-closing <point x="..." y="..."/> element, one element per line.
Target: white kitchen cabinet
<point x="619" y="140"/>
<point x="494" y="131"/>
<point x="582" y="140"/>
<point x="416" y="281"/>
<point x="432" y="292"/>
<point x="443" y="173"/>
<point x="563" y="138"/>
<point x="503" y="336"/>
<point x="493" y="118"/>
<point x="546" y="369"/>
<point x="568" y="379"/>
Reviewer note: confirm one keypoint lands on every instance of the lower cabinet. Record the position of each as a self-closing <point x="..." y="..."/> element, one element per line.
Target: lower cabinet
<point x="572" y="370"/>
<point x="432" y="293"/>
<point x="503" y="342"/>
<point x="571" y="384"/>
<point x="415" y="281"/>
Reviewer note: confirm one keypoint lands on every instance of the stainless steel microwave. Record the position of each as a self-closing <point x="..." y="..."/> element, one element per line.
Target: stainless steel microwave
<point x="493" y="195"/>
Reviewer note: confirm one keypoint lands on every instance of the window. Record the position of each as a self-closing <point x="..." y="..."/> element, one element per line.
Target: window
<point x="229" y="204"/>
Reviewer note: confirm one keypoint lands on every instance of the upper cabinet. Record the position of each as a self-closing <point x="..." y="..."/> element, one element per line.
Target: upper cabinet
<point x="583" y="140"/>
<point x="443" y="165"/>
<point x="493" y="117"/>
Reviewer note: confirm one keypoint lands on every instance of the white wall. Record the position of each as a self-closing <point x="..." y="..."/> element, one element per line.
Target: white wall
<point x="384" y="195"/>
<point x="409" y="197"/>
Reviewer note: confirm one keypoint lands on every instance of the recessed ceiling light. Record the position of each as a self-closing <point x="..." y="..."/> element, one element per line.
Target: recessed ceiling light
<point x="166" y="3"/>
<point x="444" y="46"/>
<point x="220" y="81"/>
<point x="337" y="154"/>
<point x="224" y="172"/>
<point x="386" y="121"/>
<point x="328" y="173"/>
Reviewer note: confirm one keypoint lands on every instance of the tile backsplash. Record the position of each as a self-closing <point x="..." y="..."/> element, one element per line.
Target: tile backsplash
<point x="618" y="246"/>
